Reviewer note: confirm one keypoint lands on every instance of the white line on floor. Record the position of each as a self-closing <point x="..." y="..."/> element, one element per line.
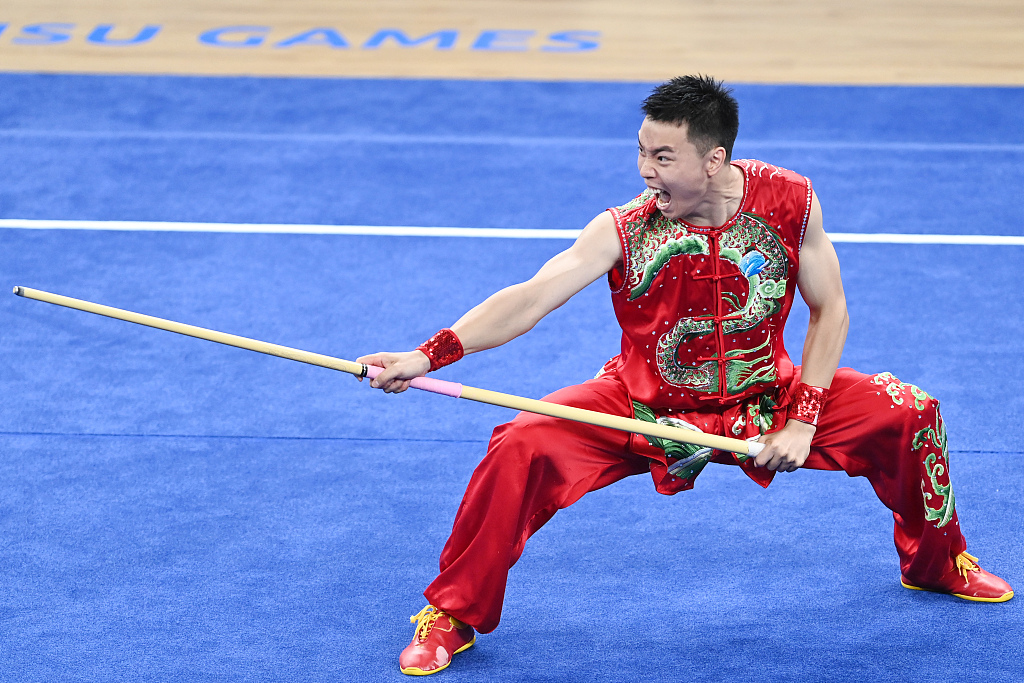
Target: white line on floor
<point x="422" y="231"/>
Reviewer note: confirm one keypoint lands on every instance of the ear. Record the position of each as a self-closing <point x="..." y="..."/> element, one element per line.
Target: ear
<point x="715" y="161"/>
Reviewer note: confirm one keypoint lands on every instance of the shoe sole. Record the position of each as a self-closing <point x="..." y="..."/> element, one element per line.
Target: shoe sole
<point x="413" y="671"/>
<point x="1002" y="598"/>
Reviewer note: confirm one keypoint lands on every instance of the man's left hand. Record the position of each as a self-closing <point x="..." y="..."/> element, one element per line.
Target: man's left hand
<point x="787" y="449"/>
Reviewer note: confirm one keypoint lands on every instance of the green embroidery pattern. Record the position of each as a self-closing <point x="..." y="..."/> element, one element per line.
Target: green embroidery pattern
<point x="895" y="388"/>
<point x="739" y="374"/>
<point x="651" y="244"/>
<point x="692" y="458"/>
<point x="693" y="244"/>
<point x="934" y="468"/>
<point x="935" y="464"/>
<point x="757" y="251"/>
<point x="759" y="413"/>
<point x="767" y="284"/>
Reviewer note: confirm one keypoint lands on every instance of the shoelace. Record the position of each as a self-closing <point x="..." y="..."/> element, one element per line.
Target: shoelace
<point x="965" y="562"/>
<point x="427" y="617"/>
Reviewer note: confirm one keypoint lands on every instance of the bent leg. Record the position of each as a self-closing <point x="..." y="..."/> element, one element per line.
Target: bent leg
<point x="892" y="433"/>
<point x="535" y="466"/>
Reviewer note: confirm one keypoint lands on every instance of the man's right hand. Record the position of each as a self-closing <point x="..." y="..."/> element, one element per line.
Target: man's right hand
<point x="399" y="369"/>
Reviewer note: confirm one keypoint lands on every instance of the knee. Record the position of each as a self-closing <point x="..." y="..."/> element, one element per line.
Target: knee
<point x="917" y="405"/>
<point x="908" y="403"/>
<point x="523" y="443"/>
<point x="913" y="420"/>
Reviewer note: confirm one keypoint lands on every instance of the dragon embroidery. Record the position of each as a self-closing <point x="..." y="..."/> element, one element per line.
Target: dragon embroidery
<point x="753" y="247"/>
<point x="936" y="465"/>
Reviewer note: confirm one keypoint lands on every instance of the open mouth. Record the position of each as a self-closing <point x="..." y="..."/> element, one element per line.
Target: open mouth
<point x="663" y="198"/>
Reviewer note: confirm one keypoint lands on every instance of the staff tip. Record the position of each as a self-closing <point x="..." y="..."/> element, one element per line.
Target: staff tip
<point x="17" y="290"/>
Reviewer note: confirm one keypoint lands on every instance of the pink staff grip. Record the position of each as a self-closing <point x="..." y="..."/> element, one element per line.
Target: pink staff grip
<point x="437" y="386"/>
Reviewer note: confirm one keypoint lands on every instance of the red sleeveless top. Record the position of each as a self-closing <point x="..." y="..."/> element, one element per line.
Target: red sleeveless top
<point x="702" y="309"/>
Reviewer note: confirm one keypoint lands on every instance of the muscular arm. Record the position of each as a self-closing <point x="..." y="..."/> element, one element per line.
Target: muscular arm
<point x="515" y="310"/>
<point x="822" y="289"/>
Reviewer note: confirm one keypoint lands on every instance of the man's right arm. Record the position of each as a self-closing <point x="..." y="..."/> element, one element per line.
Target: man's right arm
<point x="515" y="310"/>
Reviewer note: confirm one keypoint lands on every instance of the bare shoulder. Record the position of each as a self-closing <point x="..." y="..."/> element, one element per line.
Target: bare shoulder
<point x="814" y="235"/>
<point x="819" y="265"/>
<point x="599" y="241"/>
<point x="602" y="222"/>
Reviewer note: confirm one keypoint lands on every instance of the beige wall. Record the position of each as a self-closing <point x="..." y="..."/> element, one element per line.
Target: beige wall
<point x="823" y="41"/>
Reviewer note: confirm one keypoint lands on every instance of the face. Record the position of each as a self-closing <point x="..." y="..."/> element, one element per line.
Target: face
<point x="671" y="166"/>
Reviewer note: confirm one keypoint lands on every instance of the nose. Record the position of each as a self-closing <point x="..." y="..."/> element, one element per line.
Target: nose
<point x="645" y="167"/>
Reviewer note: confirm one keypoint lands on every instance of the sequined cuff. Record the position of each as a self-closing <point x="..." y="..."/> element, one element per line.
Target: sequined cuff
<point x="444" y="348"/>
<point x="807" y="403"/>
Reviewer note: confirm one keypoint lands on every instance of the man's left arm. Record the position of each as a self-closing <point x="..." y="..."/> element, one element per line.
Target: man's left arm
<point x="822" y="289"/>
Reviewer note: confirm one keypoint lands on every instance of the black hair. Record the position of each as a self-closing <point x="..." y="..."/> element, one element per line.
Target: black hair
<point x="706" y="106"/>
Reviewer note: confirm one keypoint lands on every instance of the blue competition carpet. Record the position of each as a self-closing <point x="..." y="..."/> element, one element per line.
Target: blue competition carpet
<point x="173" y="510"/>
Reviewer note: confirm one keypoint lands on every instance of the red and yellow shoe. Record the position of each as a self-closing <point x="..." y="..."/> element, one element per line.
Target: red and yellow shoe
<point x="969" y="582"/>
<point x="438" y="637"/>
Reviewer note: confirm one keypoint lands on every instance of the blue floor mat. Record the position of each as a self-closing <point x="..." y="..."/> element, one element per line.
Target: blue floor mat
<point x="198" y="559"/>
<point x="176" y="510"/>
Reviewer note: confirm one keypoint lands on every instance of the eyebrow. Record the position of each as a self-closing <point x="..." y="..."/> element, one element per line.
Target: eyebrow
<point x="659" y="150"/>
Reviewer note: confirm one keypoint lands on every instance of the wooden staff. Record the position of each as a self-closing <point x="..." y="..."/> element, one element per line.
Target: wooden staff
<point x="437" y="386"/>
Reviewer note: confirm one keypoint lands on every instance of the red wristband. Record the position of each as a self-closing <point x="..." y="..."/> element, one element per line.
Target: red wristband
<point x="807" y="403"/>
<point x="444" y="348"/>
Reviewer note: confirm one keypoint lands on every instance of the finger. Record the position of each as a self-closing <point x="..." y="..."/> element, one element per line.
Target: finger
<point x="765" y="456"/>
<point x="384" y="379"/>
<point x="398" y="386"/>
<point x="394" y="383"/>
<point x="787" y="464"/>
<point x="375" y="359"/>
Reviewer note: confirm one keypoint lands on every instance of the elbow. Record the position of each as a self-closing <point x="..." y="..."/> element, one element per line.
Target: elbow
<point x="842" y="324"/>
<point x="845" y="322"/>
<point x="843" y="313"/>
<point x="834" y="315"/>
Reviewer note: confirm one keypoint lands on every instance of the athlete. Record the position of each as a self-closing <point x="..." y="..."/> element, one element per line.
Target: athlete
<point x="703" y="267"/>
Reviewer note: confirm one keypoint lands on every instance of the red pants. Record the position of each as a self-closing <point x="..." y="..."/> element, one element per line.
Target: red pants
<point x="872" y="426"/>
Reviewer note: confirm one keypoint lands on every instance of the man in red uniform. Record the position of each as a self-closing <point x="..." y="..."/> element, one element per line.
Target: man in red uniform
<point x="703" y="268"/>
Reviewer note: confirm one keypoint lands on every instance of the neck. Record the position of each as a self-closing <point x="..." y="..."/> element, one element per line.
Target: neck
<point x="721" y="200"/>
